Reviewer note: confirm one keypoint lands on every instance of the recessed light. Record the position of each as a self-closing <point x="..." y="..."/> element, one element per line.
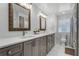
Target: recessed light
<point x="63" y="12"/>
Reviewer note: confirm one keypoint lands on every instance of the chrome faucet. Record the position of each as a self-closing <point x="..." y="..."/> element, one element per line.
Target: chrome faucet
<point x="23" y="33"/>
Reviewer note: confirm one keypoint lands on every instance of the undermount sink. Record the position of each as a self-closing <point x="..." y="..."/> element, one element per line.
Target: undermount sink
<point x="29" y="36"/>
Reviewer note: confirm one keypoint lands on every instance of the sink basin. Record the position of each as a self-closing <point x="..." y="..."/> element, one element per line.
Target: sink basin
<point x="29" y="36"/>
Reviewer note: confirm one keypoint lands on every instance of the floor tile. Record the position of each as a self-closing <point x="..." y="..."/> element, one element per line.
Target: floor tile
<point x="58" y="50"/>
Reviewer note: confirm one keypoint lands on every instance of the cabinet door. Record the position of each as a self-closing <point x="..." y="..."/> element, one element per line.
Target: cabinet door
<point x="28" y="48"/>
<point x="35" y="47"/>
<point x="3" y="53"/>
<point x="14" y="49"/>
<point x="53" y="40"/>
<point x="42" y="46"/>
<point x="11" y="50"/>
<point x="48" y="43"/>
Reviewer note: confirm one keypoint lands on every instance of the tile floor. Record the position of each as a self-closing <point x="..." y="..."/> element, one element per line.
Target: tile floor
<point x="58" y="50"/>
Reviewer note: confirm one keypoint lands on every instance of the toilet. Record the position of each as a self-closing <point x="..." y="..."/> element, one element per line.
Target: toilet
<point x="63" y="40"/>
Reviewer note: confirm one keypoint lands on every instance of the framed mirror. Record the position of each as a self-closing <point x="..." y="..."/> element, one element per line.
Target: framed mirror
<point x="19" y="17"/>
<point x="42" y="23"/>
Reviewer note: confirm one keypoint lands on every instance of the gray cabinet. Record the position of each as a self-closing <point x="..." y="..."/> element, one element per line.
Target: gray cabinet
<point x="3" y="52"/>
<point x="53" y="40"/>
<point x="35" y="47"/>
<point x="28" y="48"/>
<point x="11" y="50"/>
<point x="50" y="42"/>
<point x="42" y="46"/>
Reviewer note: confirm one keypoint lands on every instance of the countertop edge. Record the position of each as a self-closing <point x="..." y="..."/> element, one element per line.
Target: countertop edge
<point x="7" y="44"/>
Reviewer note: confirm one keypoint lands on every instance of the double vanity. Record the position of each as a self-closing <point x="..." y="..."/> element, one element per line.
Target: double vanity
<point x="35" y="45"/>
<point x="29" y="45"/>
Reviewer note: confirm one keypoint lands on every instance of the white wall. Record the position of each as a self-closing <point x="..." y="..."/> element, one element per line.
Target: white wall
<point x="51" y="20"/>
<point x="52" y="23"/>
<point x="4" y="33"/>
<point x="35" y="17"/>
<point x="59" y="35"/>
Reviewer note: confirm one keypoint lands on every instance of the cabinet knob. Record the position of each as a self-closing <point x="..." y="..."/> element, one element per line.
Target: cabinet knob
<point x="9" y="52"/>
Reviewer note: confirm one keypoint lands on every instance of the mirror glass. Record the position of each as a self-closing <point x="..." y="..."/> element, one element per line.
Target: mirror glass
<point x="42" y="23"/>
<point x="20" y="17"/>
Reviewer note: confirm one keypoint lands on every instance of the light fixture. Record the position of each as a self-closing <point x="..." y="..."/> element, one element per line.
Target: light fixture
<point x="42" y="14"/>
<point x="27" y="5"/>
<point x="63" y="12"/>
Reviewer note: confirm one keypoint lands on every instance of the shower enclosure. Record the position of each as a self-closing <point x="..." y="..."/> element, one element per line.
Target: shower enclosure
<point x="69" y="31"/>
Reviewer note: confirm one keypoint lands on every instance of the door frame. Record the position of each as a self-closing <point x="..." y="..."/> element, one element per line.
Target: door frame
<point x="77" y="31"/>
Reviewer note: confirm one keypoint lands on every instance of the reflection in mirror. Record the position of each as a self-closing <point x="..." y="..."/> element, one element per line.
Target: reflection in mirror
<point x="21" y="22"/>
<point x="42" y="23"/>
<point x="19" y="17"/>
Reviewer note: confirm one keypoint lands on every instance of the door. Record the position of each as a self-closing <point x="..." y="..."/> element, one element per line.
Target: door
<point x="77" y="41"/>
<point x="53" y="40"/>
<point x="28" y="48"/>
<point x="35" y="47"/>
<point x="48" y="43"/>
<point x="43" y="46"/>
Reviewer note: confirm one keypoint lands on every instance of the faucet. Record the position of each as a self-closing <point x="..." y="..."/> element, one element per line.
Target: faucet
<point x="23" y="33"/>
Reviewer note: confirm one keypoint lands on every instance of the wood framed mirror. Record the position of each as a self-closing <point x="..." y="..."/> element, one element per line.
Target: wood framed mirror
<point x="42" y="23"/>
<point x="19" y="17"/>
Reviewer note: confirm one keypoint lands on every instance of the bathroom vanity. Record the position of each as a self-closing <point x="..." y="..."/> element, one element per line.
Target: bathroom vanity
<point x="38" y="45"/>
<point x="31" y="45"/>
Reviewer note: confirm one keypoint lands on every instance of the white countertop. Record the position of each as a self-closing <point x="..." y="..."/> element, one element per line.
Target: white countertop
<point x="15" y="40"/>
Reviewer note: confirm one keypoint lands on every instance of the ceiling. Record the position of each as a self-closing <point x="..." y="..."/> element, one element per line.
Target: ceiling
<point x="56" y="8"/>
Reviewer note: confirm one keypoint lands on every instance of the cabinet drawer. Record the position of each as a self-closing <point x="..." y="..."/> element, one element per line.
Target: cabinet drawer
<point x="28" y="42"/>
<point x="14" y="49"/>
<point x="18" y="54"/>
<point x="3" y="53"/>
<point x="70" y="51"/>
